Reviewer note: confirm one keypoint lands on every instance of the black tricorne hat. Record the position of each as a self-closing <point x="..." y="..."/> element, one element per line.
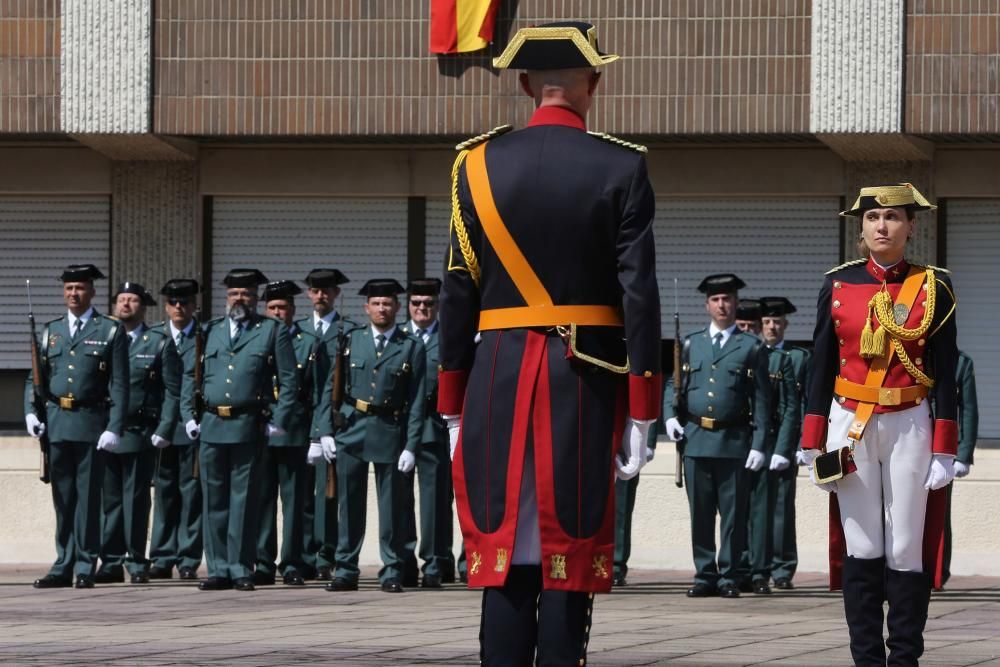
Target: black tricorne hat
<point x="721" y="283"/>
<point x="80" y="273"/>
<point x="244" y="278"/>
<point x="561" y="45"/>
<point x="325" y="278"/>
<point x="424" y="286"/>
<point x="902" y="195"/>
<point x="135" y="288"/>
<point x="748" y="309"/>
<point x="776" y="306"/>
<point x="180" y="287"/>
<point x="281" y="289"/>
<point x="381" y="287"/>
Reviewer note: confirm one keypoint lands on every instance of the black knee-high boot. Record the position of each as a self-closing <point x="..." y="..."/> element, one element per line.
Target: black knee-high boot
<point x="909" y="595"/>
<point x="864" y="591"/>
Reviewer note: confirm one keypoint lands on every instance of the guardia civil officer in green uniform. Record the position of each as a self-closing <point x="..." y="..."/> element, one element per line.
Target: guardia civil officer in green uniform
<point x="85" y="377"/>
<point x="625" y="491"/>
<point x="785" y="559"/>
<point x="153" y="408"/>
<point x="323" y="289"/>
<point x="968" y="432"/>
<point x="244" y="353"/>
<point x="283" y="462"/>
<point x="177" y="540"/>
<point x="433" y="469"/>
<point x="725" y="401"/>
<point x="383" y="425"/>
<point x="782" y="427"/>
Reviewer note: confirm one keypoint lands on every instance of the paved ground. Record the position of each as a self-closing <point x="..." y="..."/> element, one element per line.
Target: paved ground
<point x="649" y="622"/>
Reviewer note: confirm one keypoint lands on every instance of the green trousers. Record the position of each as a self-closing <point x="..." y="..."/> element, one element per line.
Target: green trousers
<point x="324" y="526"/>
<point x="755" y="563"/>
<point x="433" y="474"/>
<point x="283" y="471"/>
<point x="228" y="472"/>
<point x="624" y="505"/>
<point x="786" y="555"/>
<point x="77" y="472"/>
<point x="126" y="503"/>
<point x="717" y="487"/>
<point x="352" y="494"/>
<point x="176" y="539"/>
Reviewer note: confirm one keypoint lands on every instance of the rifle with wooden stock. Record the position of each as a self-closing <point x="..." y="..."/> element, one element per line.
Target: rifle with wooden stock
<point x="336" y="400"/>
<point x="38" y="393"/>
<point x="678" y="400"/>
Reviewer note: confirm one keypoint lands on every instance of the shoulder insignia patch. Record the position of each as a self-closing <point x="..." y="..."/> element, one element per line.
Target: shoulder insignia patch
<point x="853" y="262"/>
<point x="486" y="136"/>
<point x="604" y="136"/>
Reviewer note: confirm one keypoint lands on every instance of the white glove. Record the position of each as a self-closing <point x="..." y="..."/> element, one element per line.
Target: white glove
<point x="755" y="460"/>
<point x="36" y="429"/>
<point x="454" y="423"/>
<point x="802" y="458"/>
<point x="159" y="442"/>
<point x="779" y="462"/>
<point x="193" y="429"/>
<point x="329" y="448"/>
<point x="650" y="453"/>
<point x="634" y="450"/>
<point x="941" y="472"/>
<point x="674" y="429"/>
<point x="108" y="441"/>
<point x="315" y="453"/>
<point x="962" y="469"/>
<point x="406" y="462"/>
<point x="273" y="430"/>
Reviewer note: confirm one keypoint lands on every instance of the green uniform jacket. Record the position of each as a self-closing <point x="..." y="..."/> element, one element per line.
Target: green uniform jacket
<point x="322" y="421"/>
<point x="310" y="352"/>
<point x="241" y="375"/>
<point x="783" y="431"/>
<point x="185" y="353"/>
<point x="395" y="382"/>
<point x="732" y="388"/>
<point x="968" y="408"/>
<point x="93" y="369"/>
<point x="435" y="430"/>
<point x="801" y="362"/>
<point x="154" y="390"/>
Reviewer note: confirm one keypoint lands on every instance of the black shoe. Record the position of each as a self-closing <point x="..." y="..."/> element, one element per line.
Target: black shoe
<point x="140" y="578"/>
<point x="760" y="587"/>
<point x="448" y="577"/>
<point x="52" y="581"/>
<point x="341" y="584"/>
<point x="619" y="580"/>
<point x="702" y="590"/>
<point x="323" y="573"/>
<point x="260" y="578"/>
<point x="729" y="591"/>
<point x="430" y="581"/>
<point x="157" y="572"/>
<point x="392" y="586"/>
<point x="746" y="586"/>
<point x="109" y="577"/>
<point x="410" y="581"/>
<point x="86" y="581"/>
<point x="784" y="584"/>
<point x="308" y="573"/>
<point x="293" y="578"/>
<point x="244" y="584"/>
<point x="215" y="584"/>
<point x="463" y="577"/>
<point x="188" y="573"/>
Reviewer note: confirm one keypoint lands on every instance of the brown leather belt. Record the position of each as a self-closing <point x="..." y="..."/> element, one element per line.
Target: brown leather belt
<point x="885" y="396"/>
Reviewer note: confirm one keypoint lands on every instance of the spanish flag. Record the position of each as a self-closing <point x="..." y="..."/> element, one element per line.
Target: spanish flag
<point x="462" y="25"/>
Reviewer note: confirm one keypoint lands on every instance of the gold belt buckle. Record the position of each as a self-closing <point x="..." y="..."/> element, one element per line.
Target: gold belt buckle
<point x="225" y="411"/>
<point x="707" y="422"/>
<point x="361" y="406"/>
<point x="890" y="396"/>
<point x="67" y="402"/>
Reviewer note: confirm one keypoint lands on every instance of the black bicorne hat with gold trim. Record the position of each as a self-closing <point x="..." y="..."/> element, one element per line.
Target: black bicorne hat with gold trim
<point x="562" y="45"/>
<point x="902" y="195"/>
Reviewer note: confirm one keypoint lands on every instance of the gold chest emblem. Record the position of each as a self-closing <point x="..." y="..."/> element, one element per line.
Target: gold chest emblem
<point x="477" y="562"/>
<point x="600" y="566"/>
<point x="557" y="568"/>
<point x="501" y="560"/>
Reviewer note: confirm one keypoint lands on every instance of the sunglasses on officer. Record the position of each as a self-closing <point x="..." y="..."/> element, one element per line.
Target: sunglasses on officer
<point x="423" y="303"/>
<point x="178" y="301"/>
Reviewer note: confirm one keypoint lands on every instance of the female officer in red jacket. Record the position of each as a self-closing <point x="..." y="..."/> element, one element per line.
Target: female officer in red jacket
<point x="885" y="334"/>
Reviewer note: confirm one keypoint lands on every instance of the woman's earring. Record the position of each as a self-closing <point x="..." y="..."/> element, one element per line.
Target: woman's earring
<point x="861" y="237"/>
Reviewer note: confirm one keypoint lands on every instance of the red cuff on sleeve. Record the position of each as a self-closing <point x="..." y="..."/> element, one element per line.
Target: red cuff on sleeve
<point x="645" y="395"/>
<point x="814" y="432"/>
<point x="945" y="436"/>
<point x="451" y="391"/>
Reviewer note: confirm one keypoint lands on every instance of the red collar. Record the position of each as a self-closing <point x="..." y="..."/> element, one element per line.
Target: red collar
<point x="557" y="116"/>
<point x="893" y="274"/>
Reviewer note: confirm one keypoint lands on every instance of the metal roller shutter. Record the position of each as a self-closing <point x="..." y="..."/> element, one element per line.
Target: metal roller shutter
<point x="438" y="222"/>
<point x="779" y="247"/>
<point x="39" y="237"/>
<point x="973" y="247"/>
<point x="286" y="238"/>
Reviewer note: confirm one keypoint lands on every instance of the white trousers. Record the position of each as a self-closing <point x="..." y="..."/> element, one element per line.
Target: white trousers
<point x="883" y="504"/>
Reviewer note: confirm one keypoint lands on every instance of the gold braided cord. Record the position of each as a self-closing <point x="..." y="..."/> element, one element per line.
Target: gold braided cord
<point x="882" y="305"/>
<point x="954" y="304"/>
<point x="458" y="227"/>
<point x="910" y="367"/>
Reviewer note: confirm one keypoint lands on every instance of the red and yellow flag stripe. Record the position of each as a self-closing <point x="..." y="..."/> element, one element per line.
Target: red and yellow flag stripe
<point x="458" y="26"/>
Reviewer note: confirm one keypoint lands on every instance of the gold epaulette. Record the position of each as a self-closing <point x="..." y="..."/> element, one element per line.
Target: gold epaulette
<point x="853" y="262"/>
<point x="638" y="148"/>
<point x="938" y="268"/>
<point x="486" y="136"/>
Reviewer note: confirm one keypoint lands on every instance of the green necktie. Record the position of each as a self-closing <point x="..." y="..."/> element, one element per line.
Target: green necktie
<point x="380" y="344"/>
<point x="717" y="343"/>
